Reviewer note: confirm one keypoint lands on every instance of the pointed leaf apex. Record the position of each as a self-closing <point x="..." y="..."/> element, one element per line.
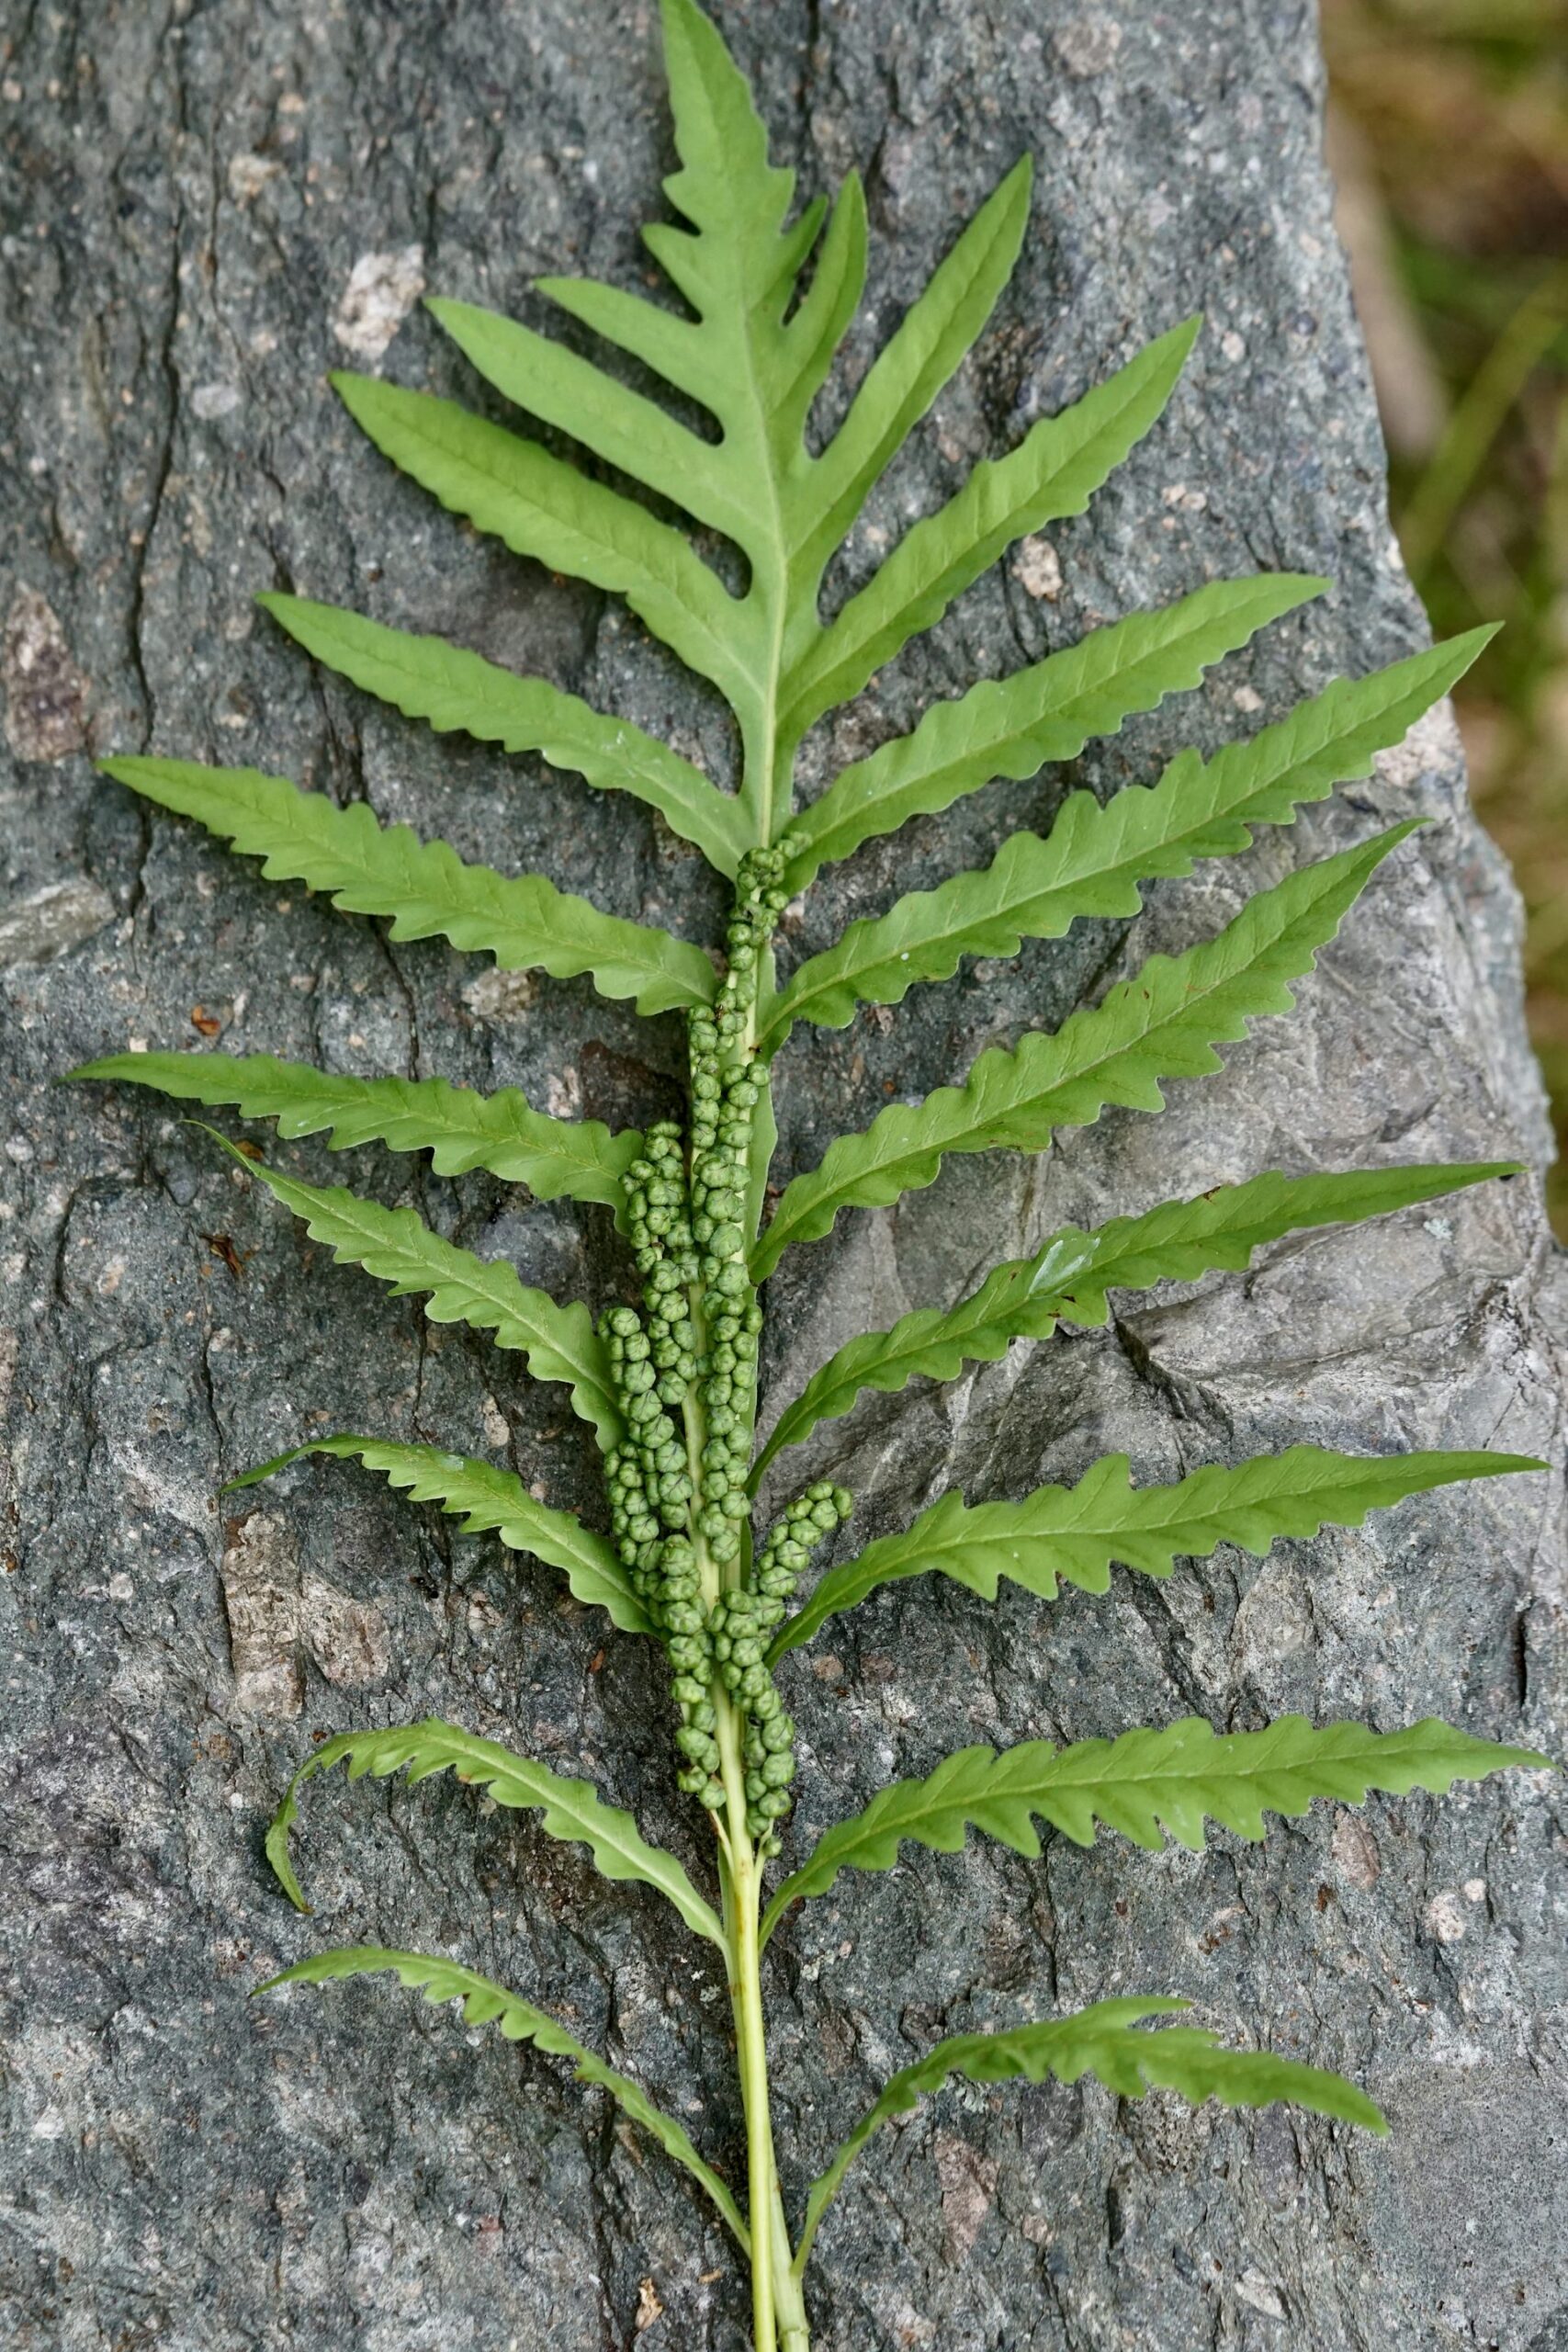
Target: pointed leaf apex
<point x="1471" y="643"/>
<point x="277" y="1854"/>
<point x="1390" y="840"/>
<point x="1527" y="1760"/>
<point x="262" y="1470"/>
<point x="447" y="313"/>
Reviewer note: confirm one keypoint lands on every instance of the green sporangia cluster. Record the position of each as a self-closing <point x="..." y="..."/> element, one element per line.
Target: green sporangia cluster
<point x="685" y="1372"/>
<point x="667" y="1386"/>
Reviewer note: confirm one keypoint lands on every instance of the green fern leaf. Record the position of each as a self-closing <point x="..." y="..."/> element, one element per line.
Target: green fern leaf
<point x="1207" y="807"/>
<point x="1161" y="1023"/>
<point x="816" y="329"/>
<point x="1066" y="1279"/>
<point x="427" y="678"/>
<point x="1177" y="1778"/>
<point x="487" y="2003"/>
<point x="1096" y="857"/>
<point x="1055" y="472"/>
<point x="487" y="1498"/>
<point x="621" y="426"/>
<point x="1071" y="1535"/>
<point x="557" y="1159"/>
<point x="399" y="1248"/>
<point x="1102" y="2040"/>
<point x="373" y="869"/>
<point x="570" y="1810"/>
<point x="540" y="506"/>
<point x="913" y="365"/>
<point x="1011" y="727"/>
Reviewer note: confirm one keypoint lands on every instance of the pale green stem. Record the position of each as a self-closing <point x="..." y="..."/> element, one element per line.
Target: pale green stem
<point x="1479" y="417"/>
<point x="778" y="2312"/>
<point x="742" y="1889"/>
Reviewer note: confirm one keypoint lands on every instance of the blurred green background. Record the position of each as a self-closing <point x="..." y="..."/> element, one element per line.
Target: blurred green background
<point x="1449" y="139"/>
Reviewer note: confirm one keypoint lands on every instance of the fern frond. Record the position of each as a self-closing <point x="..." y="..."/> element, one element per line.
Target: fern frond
<point x="398" y="1248"/>
<point x="1161" y="1023"/>
<point x="1011" y="727"/>
<point x="1071" y="1535"/>
<point x="540" y="506"/>
<point x="735" y="266"/>
<point x="455" y="691"/>
<point x="1055" y="472"/>
<point x="1096" y="857"/>
<point x="576" y="1160"/>
<point x="368" y="869"/>
<point x="1068" y="1278"/>
<point x="487" y="2003"/>
<point x="1142" y="1785"/>
<point x="487" y="1500"/>
<point x="1102" y="2040"/>
<point x="572" y="1811"/>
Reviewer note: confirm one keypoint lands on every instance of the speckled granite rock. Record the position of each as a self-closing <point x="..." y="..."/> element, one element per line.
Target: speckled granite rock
<point x="205" y="208"/>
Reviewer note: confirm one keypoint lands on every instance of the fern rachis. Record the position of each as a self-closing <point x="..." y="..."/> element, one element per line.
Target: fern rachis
<point x="667" y="1379"/>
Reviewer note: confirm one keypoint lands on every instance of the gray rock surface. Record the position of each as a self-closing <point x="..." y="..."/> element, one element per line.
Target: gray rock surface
<point x="205" y="208"/>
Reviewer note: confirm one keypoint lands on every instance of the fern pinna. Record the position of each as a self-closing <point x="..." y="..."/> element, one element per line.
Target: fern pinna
<point x="668" y="1379"/>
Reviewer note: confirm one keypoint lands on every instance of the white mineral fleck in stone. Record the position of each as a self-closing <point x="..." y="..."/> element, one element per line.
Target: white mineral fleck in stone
<point x="382" y="290"/>
<point x="1445" y="1920"/>
<point x="1037" y="569"/>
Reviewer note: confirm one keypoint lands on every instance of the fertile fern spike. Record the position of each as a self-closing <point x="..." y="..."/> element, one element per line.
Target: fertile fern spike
<point x="667" y="1375"/>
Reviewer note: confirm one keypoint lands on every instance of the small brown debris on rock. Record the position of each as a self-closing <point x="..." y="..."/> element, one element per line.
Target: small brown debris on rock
<point x="648" y="2307"/>
<point x="260" y="1572"/>
<point x="968" y="2190"/>
<point x="46" y="694"/>
<point x="1355" y="1853"/>
<point x="1037" y="569"/>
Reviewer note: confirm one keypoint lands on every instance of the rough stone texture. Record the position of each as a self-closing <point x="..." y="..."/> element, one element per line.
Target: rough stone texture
<point x="201" y="206"/>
